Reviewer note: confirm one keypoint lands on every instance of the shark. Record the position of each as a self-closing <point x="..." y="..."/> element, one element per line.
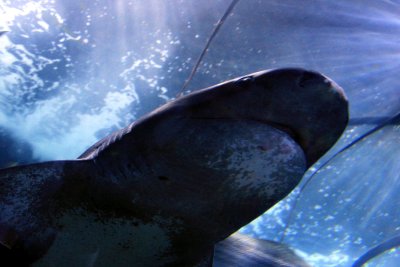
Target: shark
<point x="170" y="186"/>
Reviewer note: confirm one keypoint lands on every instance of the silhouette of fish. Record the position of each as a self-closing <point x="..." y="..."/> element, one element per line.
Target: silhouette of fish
<point x="377" y="250"/>
<point x="167" y="188"/>
<point x="2" y="32"/>
<point x="240" y="250"/>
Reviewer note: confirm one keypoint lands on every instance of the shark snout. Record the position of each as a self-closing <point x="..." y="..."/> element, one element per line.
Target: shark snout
<point x="310" y="104"/>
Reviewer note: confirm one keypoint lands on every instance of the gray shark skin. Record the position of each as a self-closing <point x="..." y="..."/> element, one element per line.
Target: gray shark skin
<point x="164" y="190"/>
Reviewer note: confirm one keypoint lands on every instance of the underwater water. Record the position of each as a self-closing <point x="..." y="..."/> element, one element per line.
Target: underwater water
<point x="71" y="72"/>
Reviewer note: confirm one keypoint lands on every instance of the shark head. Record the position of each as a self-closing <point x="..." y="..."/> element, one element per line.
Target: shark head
<point x="309" y="106"/>
<point x="219" y="157"/>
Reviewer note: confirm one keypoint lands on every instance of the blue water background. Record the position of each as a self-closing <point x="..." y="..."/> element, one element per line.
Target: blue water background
<point x="71" y="72"/>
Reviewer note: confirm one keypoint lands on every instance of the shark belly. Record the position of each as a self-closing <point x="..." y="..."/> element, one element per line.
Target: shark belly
<point x="85" y="239"/>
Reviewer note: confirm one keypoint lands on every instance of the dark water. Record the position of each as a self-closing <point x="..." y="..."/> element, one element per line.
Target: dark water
<point x="73" y="71"/>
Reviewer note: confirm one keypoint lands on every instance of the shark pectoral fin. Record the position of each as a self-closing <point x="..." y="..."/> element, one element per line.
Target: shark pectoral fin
<point x="31" y="199"/>
<point x="34" y="186"/>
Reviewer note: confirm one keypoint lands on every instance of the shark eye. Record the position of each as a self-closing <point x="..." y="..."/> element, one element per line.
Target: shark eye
<point x="245" y="81"/>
